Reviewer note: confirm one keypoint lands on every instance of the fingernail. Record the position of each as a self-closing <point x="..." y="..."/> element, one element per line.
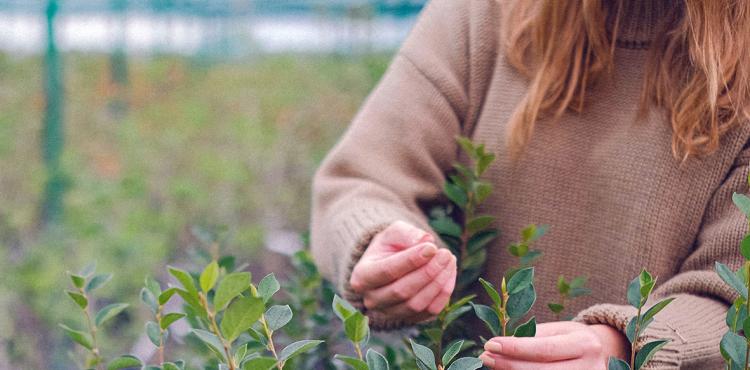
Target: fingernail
<point x="487" y="360"/>
<point x="428" y="250"/>
<point x="444" y="258"/>
<point x="493" y="347"/>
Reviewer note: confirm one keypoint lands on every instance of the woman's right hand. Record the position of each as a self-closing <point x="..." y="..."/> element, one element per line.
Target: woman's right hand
<point x="403" y="274"/>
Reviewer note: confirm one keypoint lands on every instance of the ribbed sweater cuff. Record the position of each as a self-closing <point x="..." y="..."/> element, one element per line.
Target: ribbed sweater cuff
<point x="355" y="232"/>
<point x="694" y="326"/>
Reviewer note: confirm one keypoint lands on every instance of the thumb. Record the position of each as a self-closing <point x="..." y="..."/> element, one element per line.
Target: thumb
<point x="402" y="234"/>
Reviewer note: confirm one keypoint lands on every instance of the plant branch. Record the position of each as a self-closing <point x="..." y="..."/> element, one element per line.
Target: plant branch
<point x="271" y="347"/>
<point x="217" y="332"/>
<point x="635" y="338"/>
<point x="92" y="329"/>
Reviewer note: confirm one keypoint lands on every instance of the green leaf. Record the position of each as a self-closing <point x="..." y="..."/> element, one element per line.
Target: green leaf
<point x="647" y="352"/>
<point x="466" y="363"/>
<point x="209" y="276"/>
<point x="745" y="247"/>
<point x="578" y="282"/>
<point x="241" y="314"/>
<point x="268" y="286"/>
<point x="108" y="312"/>
<point x="489" y="316"/>
<point x="579" y="292"/>
<point x="278" y="316"/>
<point x="153" y="333"/>
<point x="78" y="298"/>
<point x="147" y="297"/>
<point x="527" y="329"/>
<point x="491" y="291"/>
<point x="479" y="223"/>
<point x="630" y="329"/>
<point x="87" y="270"/>
<point x="484" y="163"/>
<point x="521" y="280"/>
<point x="467" y="146"/>
<point x="480" y="240"/>
<point x="520" y="303"/>
<point x="376" y="361"/>
<point x="634" y="293"/>
<point x="556" y="307"/>
<point x="646" y="290"/>
<point x="192" y="300"/>
<point x="152" y="285"/>
<point x="230" y="287"/>
<point x="356" y="327"/>
<point x="124" y="362"/>
<point x="451" y="352"/>
<point x="460" y="302"/>
<point x="736" y="314"/>
<point x="444" y="225"/>
<point x="211" y="341"/>
<point x="260" y="363"/>
<point x="530" y="256"/>
<point x="423" y="355"/>
<point x="77" y="280"/>
<point x="97" y="281"/>
<point x="742" y="202"/>
<point x="342" y="308"/>
<point x="656" y="309"/>
<point x="455" y="314"/>
<point x="169" y="319"/>
<point x="562" y="286"/>
<point x="746" y="327"/>
<point x="185" y="279"/>
<point x="297" y="348"/>
<point x="617" y="364"/>
<point x="84" y="339"/>
<point x="455" y="194"/>
<point x="482" y="190"/>
<point x="169" y="366"/>
<point x="731" y="279"/>
<point x="166" y="295"/>
<point x="734" y="346"/>
<point x="355" y="363"/>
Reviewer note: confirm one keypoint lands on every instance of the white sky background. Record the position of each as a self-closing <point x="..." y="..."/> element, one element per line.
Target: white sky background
<point x="23" y="33"/>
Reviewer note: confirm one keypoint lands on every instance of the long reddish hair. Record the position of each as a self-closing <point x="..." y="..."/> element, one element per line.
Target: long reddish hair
<point x="699" y="70"/>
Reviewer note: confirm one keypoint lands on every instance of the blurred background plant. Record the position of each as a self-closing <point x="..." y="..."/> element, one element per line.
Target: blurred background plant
<point x="133" y="132"/>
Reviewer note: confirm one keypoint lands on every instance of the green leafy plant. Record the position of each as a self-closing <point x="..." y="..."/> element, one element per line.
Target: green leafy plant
<point x="510" y="303"/>
<point x="638" y="293"/>
<point x="568" y="291"/>
<point x="735" y="344"/>
<point x="84" y="283"/>
<point x="157" y="331"/>
<point x="459" y="224"/>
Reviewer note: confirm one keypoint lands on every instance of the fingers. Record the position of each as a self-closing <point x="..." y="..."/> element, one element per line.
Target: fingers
<point x="549" y="329"/>
<point x="540" y="349"/>
<point x="422" y="284"/>
<point x="374" y="273"/>
<point x="497" y="362"/>
<point x="404" y="235"/>
<point x="444" y="297"/>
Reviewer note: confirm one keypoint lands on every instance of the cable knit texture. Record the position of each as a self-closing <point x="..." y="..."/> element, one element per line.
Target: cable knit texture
<point x="605" y="181"/>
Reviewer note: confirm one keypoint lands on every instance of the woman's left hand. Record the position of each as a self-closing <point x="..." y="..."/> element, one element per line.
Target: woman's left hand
<point x="557" y="345"/>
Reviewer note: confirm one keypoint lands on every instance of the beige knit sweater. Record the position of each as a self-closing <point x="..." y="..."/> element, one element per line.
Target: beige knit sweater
<point x="616" y="199"/>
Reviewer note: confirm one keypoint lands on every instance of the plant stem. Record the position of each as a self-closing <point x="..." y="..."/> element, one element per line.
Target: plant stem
<point x="161" y="335"/>
<point x="503" y="307"/>
<point x="217" y="332"/>
<point x="92" y="329"/>
<point x="269" y="335"/>
<point x="635" y="338"/>
<point x="358" y="350"/>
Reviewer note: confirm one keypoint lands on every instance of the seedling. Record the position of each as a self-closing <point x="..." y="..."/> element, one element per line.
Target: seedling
<point x="735" y="345"/>
<point x="157" y="331"/>
<point x="84" y="283"/>
<point x="639" y="291"/>
<point x="568" y="290"/>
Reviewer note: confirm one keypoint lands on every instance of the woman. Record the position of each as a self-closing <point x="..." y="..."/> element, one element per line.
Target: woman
<point x="623" y="124"/>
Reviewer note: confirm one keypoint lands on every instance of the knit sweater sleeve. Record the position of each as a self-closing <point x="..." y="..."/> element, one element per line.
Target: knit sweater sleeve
<point x="396" y="151"/>
<point x="695" y="321"/>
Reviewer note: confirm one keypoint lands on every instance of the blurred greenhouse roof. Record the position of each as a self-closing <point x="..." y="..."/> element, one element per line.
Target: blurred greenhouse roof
<point x="219" y="7"/>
